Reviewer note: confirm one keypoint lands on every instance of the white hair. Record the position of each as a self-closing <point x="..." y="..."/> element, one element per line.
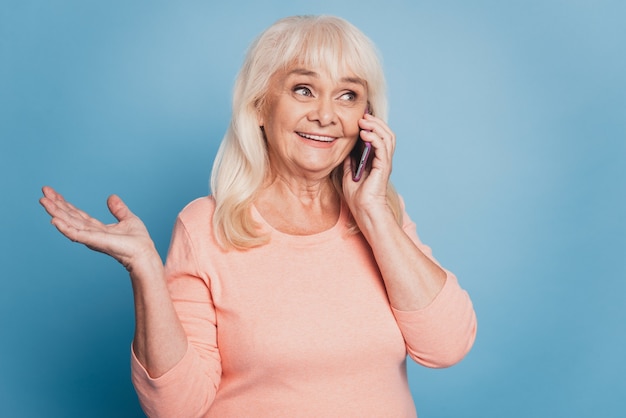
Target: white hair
<point x="241" y="163"/>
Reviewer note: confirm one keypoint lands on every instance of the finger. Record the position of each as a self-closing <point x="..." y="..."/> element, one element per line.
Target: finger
<point x="372" y="123"/>
<point x="66" y="229"/>
<point x="347" y="167"/>
<point x="50" y="198"/>
<point x="69" y="220"/>
<point x="61" y="203"/>
<point x="383" y="147"/>
<point x="62" y="209"/>
<point x="95" y="239"/>
<point x="51" y="193"/>
<point x="73" y="226"/>
<point x="386" y="136"/>
<point x="72" y="210"/>
<point x="52" y="206"/>
<point x="381" y="132"/>
<point x="56" y="199"/>
<point x="69" y="228"/>
<point x="118" y="208"/>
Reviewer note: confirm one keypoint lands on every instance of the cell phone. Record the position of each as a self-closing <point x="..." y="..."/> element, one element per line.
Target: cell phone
<point x="360" y="155"/>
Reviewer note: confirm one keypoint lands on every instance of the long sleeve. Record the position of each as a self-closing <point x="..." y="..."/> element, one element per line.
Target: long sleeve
<point x="188" y="389"/>
<point x="303" y="325"/>
<point x="442" y="333"/>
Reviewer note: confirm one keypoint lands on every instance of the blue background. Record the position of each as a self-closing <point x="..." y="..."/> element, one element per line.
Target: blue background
<point x="511" y="126"/>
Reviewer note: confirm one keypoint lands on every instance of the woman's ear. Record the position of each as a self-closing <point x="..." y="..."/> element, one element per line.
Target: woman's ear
<point x="259" y="108"/>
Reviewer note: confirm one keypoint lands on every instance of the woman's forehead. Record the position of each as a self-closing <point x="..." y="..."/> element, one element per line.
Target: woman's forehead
<point x="337" y="73"/>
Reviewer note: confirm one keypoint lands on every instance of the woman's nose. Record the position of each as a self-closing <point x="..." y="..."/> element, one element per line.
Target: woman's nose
<point x="324" y="112"/>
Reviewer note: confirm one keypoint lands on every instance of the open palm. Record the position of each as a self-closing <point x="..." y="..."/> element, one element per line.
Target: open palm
<point x="128" y="240"/>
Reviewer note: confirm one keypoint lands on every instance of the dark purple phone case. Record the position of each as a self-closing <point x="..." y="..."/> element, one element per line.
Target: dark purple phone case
<point x="360" y="158"/>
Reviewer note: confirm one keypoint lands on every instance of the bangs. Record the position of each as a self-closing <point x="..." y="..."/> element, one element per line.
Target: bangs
<point x="317" y="43"/>
<point x="323" y="43"/>
<point x="329" y="50"/>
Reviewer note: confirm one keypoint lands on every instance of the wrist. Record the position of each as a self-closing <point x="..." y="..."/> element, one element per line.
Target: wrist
<point x="373" y="217"/>
<point x="145" y="265"/>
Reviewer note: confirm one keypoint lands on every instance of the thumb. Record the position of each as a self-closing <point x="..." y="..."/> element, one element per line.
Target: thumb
<point x="347" y="168"/>
<point x="118" y="208"/>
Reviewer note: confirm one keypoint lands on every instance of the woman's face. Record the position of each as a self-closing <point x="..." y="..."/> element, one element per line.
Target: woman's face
<point x="311" y="120"/>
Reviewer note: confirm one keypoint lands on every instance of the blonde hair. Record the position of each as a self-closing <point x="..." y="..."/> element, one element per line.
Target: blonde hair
<point x="241" y="163"/>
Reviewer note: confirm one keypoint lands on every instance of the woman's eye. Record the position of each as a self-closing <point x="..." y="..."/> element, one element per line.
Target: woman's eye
<point x="302" y="91"/>
<point x="349" y="96"/>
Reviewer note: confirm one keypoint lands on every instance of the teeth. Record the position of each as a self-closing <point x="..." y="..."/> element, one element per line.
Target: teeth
<point x="316" y="137"/>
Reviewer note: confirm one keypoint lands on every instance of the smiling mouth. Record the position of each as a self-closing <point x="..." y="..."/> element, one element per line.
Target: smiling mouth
<point x="318" y="138"/>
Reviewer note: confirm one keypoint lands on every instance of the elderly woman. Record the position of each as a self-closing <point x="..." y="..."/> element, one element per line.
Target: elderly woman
<point x="292" y="290"/>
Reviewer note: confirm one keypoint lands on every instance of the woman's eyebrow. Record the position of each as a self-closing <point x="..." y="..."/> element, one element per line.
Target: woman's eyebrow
<point x="303" y="71"/>
<point x="354" y="80"/>
<point x="311" y="73"/>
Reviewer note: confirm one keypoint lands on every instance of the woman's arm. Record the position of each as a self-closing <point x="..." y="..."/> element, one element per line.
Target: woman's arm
<point x="160" y="341"/>
<point x="412" y="279"/>
<point x="435" y="315"/>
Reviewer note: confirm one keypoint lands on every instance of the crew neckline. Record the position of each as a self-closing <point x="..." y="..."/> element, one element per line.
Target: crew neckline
<point x="337" y="228"/>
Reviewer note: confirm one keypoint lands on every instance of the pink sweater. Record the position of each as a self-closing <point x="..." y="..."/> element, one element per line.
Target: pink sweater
<point x="300" y="327"/>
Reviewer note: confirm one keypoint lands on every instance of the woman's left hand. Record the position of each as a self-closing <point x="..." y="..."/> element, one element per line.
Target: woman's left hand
<point x="370" y="192"/>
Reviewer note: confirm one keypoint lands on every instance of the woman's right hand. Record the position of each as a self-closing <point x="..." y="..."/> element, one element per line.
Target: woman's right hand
<point x="128" y="241"/>
<point x="160" y="340"/>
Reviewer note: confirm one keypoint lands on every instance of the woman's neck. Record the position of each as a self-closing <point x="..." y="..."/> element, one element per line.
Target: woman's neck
<point x="299" y="206"/>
